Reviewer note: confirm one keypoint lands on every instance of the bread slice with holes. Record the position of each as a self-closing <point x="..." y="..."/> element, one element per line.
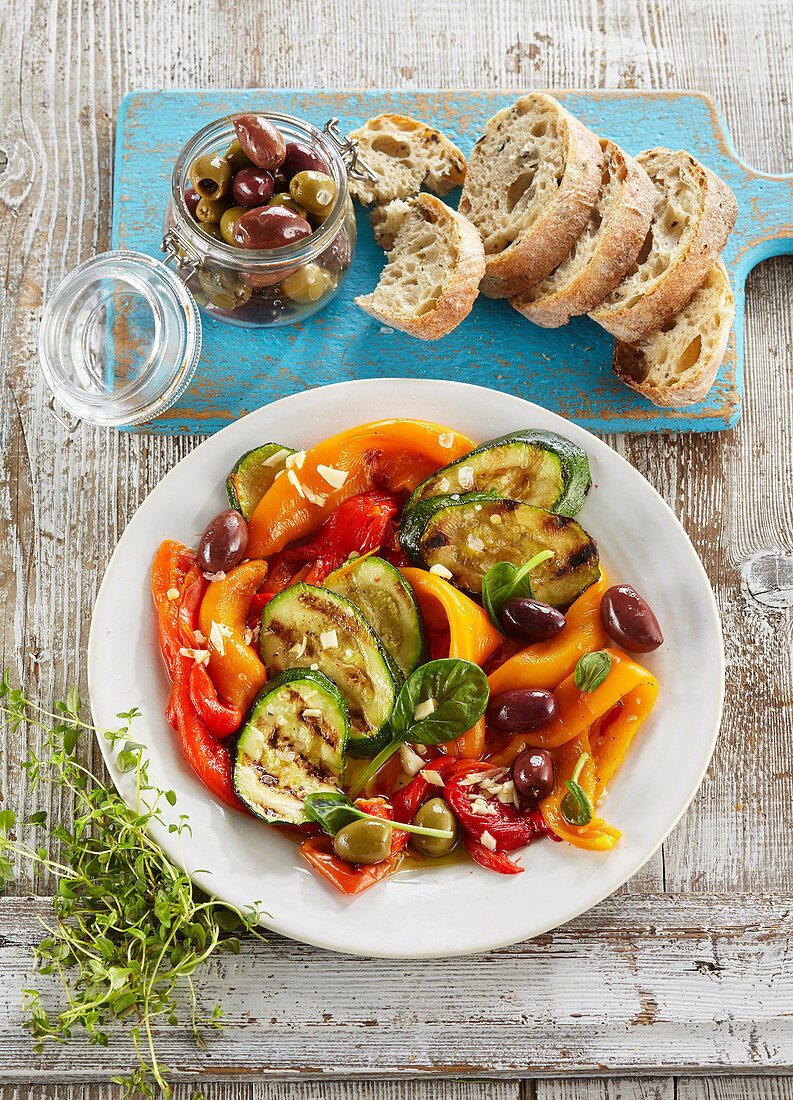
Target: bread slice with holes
<point x="532" y="180"/>
<point x="407" y="155"/>
<point x="694" y="213"/>
<point x="676" y="365"/>
<point x="617" y="226"/>
<point x="435" y="263"/>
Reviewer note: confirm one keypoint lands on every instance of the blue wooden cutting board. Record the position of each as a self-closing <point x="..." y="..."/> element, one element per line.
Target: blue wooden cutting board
<point x="566" y="370"/>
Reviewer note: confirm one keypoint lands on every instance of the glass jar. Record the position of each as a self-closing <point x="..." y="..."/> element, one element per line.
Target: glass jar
<point x="120" y="338"/>
<point x="261" y="288"/>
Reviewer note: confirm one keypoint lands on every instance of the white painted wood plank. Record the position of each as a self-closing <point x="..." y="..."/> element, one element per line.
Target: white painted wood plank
<point x="611" y="1088"/>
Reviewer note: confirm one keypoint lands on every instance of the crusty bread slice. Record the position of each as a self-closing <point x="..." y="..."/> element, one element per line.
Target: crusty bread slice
<point x="694" y="213"/>
<point x="532" y="180"/>
<point x="407" y="155"/>
<point x="612" y="238"/>
<point x="435" y="263"/>
<point x="676" y="365"/>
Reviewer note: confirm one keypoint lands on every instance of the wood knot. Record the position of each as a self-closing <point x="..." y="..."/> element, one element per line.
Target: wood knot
<point x="767" y="580"/>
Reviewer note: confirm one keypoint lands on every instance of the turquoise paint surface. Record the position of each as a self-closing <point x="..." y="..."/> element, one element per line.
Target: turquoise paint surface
<point x="566" y="370"/>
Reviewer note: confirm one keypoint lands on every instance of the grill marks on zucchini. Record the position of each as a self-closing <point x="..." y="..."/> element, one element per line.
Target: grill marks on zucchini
<point x="292" y="744"/>
<point x="531" y="466"/>
<point x="306" y="626"/>
<point x="469" y="533"/>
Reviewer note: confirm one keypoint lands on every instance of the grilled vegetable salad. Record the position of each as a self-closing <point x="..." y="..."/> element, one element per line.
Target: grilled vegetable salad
<point x="399" y="643"/>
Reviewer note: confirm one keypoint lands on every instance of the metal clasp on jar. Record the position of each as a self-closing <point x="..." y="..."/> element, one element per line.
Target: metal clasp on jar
<point x="186" y="258"/>
<point x="348" y="149"/>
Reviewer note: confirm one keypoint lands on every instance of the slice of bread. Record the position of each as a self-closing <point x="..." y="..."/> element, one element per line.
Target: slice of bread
<point x="694" y="213"/>
<point x="435" y="263"/>
<point x="532" y="180"/>
<point x="612" y="238"/>
<point x="407" y="155"/>
<point x="676" y="366"/>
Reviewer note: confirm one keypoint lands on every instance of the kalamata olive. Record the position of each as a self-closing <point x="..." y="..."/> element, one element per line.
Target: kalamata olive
<point x="534" y="620"/>
<point x="434" y="814"/>
<point x="261" y="142"/>
<point x="532" y="774"/>
<point x="269" y="227"/>
<point x="522" y="710"/>
<point x="336" y="257"/>
<point x="191" y="199"/>
<point x="628" y="619"/>
<point x="363" y="842"/>
<point x="280" y="182"/>
<point x="224" y="542"/>
<point x="252" y="186"/>
<point x="301" y="158"/>
<point x="210" y="175"/>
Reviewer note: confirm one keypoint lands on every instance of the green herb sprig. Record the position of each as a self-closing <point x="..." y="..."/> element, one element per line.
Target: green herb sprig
<point x="503" y="580"/>
<point x="575" y="806"/>
<point x="334" y="811"/>
<point x="592" y="669"/>
<point x="129" y="926"/>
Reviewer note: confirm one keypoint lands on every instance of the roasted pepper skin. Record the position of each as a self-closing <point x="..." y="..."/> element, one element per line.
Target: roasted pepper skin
<point x="236" y="672"/>
<point x="347" y="877"/>
<point x="358" y="525"/>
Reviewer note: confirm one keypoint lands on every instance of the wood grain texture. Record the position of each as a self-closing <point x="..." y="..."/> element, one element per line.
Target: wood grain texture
<point x="66" y="496"/>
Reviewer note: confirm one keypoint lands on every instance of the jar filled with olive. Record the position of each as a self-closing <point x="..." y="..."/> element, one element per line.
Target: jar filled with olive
<point x="260" y="220"/>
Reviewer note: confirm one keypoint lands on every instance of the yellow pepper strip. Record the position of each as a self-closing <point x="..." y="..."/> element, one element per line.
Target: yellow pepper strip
<point x="545" y="664"/>
<point x="597" y="836"/>
<point x="471" y="636"/>
<point x="234" y="667"/>
<point x="397" y="454"/>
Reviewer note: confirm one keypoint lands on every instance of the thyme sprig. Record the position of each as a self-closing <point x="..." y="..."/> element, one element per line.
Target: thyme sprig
<point x="129" y="928"/>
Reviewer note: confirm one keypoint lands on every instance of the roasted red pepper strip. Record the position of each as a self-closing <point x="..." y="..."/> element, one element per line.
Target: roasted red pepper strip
<point x="348" y="877"/>
<point x="219" y="719"/>
<point x="407" y="800"/>
<point x="358" y="525"/>
<point x="208" y="758"/>
<point x="509" y="827"/>
<point x="494" y="861"/>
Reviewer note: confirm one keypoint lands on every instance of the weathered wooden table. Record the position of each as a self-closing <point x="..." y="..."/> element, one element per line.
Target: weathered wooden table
<point x="677" y="985"/>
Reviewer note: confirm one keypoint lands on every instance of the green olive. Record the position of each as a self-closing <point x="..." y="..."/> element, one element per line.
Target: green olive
<point x="212" y="229"/>
<point x="227" y="220"/>
<point x="211" y="210"/>
<point x="211" y="175"/>
<point x="222" y="288"/>
<point x="283" y="198"/>
<point x="313" y="190"/>
<point x="363" y="842"/>
<point x="434" y="814"/>
<point x="235" y="156"/>
<point x="307" y="284"/>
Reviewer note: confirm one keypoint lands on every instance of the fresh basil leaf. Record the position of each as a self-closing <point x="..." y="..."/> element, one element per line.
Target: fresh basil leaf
<point x="332" y="811"/>
<point x="503" y="580"/>
<point x="592" y="669"/>
<point x="575" y="806"/>
<point x="458" y="691"/>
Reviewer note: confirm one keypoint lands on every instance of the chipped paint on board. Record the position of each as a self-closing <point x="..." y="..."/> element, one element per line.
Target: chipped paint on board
<point x="566" y="370"/>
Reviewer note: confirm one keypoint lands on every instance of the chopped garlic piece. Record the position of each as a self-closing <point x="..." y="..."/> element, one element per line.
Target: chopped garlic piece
<point x="219" y="576"/>
<point x="299" y="648"/>
<point x="475" y="544"/>
<point x="411" y="761"/>
<point x="314" y="667"/>
<point x="466" y="477"/>
<point x="216" y="639"/>
<point x="488" y="841"/>
<point x="446" y="439"/>
<point x="441" y="571"/>
<point x="276" y="458"/>
<point x="432" y="777"/>
<point x="295" y="460"/>
<point x="424" y="710"/>
<point x="443" y="485"/>
<point x="247" y="636"/>
<point x="173" y="593"/>
<point x="200" y="656"/>
<point x="292" y="476"/>
<point x="312" y="712"/>
<point x="329" y="639"/>
<point x="334" y="477"/>
<point x="199" y="637"/>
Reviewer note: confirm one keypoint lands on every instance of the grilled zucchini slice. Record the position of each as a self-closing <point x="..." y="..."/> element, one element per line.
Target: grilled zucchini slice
<point x="469" y="533"/>
<point x="253" y="474"/>
<point x="291" y="745"/>
<point x="386" y="599"/>
<point x="531" y="466"/>
<point x="306" y="626"/>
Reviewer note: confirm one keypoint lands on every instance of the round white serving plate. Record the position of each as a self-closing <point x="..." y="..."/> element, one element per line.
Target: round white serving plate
<point x="459" y="908"/>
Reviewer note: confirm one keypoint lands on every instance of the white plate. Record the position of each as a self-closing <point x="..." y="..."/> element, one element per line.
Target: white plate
<point x="461" y="908"/>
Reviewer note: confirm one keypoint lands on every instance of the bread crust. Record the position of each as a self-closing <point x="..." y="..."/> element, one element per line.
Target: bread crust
<point x="536" y="253"/>
<point x="461" y="289"/>
<point x="618" y="245"/>
<point x="689" y="267"/>
<point x="680" y="394"/>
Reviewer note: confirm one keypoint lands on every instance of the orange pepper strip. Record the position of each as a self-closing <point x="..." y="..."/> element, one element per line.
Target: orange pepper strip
<point x="284" y="514"/>
<point x="471" y="636"/>
<point x="545" y="664"/>
<point x="597" y="836"/>
<point x="236" y="672"/>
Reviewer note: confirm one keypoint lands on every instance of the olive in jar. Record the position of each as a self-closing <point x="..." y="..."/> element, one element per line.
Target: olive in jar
<point x="363" y="842"/>
<point x="434" y="814"/>
<point x="629" y="620"/>
<point x="222" y="288"/>
<point x="191" y="199"/>
<point x="252" y="186"/>
<point x="269" y="227"/>
<point x="524" y="617"/>
<point x="235" y="156"/>
<point x="307" y="284"/>
<point x="228" y="220"/>
<point x="223" y="543"/>
<point x="313" y="190"/>
<point x="533" y="774"/>
<point x="210" y="176"/>
<point x="301" y="158"/>
<point x="212" y="229"/>
<point x="283" y="198"/>
<point x="211" y="210"/>
<point x="261" y="141"/>
<point x="523" y="710"/>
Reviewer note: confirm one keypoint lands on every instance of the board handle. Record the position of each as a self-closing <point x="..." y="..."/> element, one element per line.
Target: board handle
<point x="769" y="229"/>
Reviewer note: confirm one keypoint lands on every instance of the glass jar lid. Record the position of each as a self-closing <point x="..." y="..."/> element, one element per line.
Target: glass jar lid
<point x="120" y="339"/>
